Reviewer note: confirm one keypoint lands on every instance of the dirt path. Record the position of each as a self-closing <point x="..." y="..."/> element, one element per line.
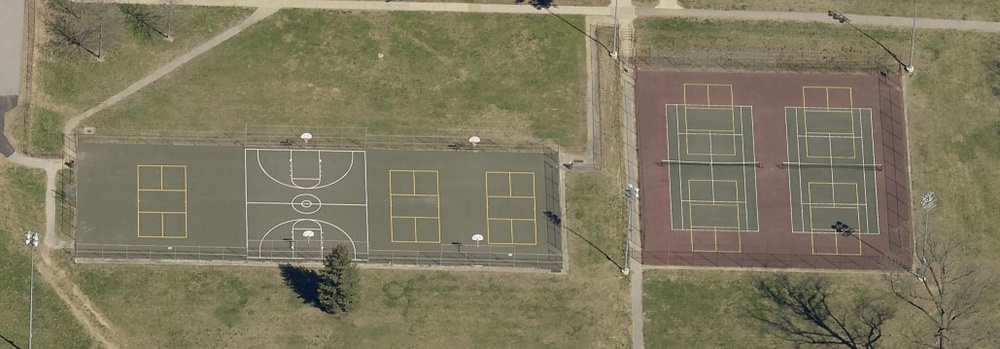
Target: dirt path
<point x="79" y="304"/>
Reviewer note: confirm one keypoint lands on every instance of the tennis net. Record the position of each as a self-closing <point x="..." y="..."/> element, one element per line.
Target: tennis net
<point x="876" y="167"/>
<point x="666" y="162"/>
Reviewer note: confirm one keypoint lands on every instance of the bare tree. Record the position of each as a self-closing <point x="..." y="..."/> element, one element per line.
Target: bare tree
<point x="948" y="289"/>
<point x="64" y="7"/>
<point x="169" y="11"/>
<point x="67" y="31"/>
<point x="802" y="310"/>
<point x="142" y="20"/>
<point x="96" y="19"/>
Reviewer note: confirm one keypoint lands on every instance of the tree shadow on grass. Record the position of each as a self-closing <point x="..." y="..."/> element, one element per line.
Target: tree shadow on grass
<point x="303" y="281"/>
<point x="9" y="341"/>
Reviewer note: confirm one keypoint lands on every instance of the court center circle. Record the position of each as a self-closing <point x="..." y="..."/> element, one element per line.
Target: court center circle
<point x="306" y="203"/>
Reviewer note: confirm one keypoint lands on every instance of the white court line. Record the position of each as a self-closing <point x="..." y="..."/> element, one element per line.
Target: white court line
<point x="246" y="205"/>
<point x="833" y="180"/>
<point x="871" y="125"/>
<point x="367" y="227"/>
<point x="670" y="189"/>
<point x="813" y="135"/>
<point x="680" y="177"/>
<point x="319" y="161"/>
<point x="838" y="204"/>
<point x="709" y="133"/>
<point x="798" y="157"/>
<point x="290" y="204"/>
<point x="317" y="186"/>
<point x="319" y="222"/>
<point x="746" y="209"/>
<point x="711" y="169"/>
<point x="753" y="156"/>
<point x="728" y="202"/>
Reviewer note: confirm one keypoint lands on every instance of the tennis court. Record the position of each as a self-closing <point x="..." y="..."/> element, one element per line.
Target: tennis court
<point x="772" y="170"/>
<point x="444" y="208"/>
<point x="712" y="168"/>
<point x="831" y="165"/>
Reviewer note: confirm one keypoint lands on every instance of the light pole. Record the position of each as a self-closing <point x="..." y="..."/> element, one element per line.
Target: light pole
<point x="31" y="239"/>
<point x="631" y="194"/>
<point x="913" y="37"/>
<point x="928" y="202"/>
<point x="614" y="37"/>
<point x="840" y="17"/>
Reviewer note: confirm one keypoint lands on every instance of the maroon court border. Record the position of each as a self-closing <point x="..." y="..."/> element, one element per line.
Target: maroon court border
<point x="774" y="245"/>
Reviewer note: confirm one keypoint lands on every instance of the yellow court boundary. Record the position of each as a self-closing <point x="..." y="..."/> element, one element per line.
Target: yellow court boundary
<point x="805" y="122"/>
<point x="138" y="196"/>
<point x="715" y="227"/>
<point x="857" y="194"/>
<point x="826" y="92"/>
<point x="708" y="92"/>
<point x="715" y="230"/>
<point x="731" y="131"/>
<point x="413" y="193"/>
<point x="510" y="195"/>
<point x="736" y="186"/>
<point x="836" y="245"/>
<point x="715" y="237"/>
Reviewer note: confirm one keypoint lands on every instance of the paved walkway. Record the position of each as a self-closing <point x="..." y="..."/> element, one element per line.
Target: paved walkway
<point x="80" y="305"/>
<point x="664" y="10"/>
<point x="626" y="13"/>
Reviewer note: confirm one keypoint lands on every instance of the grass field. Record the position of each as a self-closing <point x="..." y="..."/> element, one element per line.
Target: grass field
<point x="69" y="82"/>
<point x="705" y="309"/>
<point x="199" y="306"/>
<point x="439" y="71"/>
<point x="23" y="209"/>
<point x="953" y="131"/>
<point x="512" y="2"/>
<point x="986" y="10"/>
<point x="511" y="76"/>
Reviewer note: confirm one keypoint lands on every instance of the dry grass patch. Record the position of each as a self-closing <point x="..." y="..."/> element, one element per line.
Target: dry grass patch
<point x="68" y="82"/>
<point x="508" y="76"/>
<point x="22" y="200"/>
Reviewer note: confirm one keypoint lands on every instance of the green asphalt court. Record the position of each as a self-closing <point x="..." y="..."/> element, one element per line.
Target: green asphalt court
<point x="454" y="208"/>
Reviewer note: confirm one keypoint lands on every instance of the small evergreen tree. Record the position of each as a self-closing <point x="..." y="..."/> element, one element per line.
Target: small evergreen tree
<point x="338" y="283"/>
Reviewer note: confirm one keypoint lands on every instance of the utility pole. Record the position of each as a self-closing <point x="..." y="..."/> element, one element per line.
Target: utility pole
<point x="614" y="37"/>
<point x="31" y="239"/>
<point x="913" y="37"/>
<point x="631" y="194"/>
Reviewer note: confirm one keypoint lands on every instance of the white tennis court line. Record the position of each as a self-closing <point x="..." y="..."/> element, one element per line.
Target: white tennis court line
<point x="865" y="174"/>
<point x="681" y="201"/>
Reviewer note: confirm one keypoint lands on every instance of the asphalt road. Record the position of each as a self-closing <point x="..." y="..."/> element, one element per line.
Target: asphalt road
<point x="11" y="34"/>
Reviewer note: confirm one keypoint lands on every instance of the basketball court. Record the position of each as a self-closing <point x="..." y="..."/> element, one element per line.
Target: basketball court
<point x="457" y="208"/>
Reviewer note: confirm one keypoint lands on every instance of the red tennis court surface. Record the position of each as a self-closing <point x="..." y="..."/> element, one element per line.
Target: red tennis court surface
<point x="777" y="239"/>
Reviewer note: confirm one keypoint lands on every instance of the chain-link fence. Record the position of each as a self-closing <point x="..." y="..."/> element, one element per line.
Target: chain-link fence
<point x="159" y="252"/>
<point x="788" y="62"/>
<point x="322" y="137"/>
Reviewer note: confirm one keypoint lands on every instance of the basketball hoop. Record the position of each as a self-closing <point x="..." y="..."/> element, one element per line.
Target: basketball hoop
<point x="306" y="137"/>
<point x="474" y="140"/>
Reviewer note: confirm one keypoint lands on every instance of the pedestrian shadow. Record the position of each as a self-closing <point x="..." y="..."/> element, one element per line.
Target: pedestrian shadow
<point x="12" y="344"/>
<point x="303" y="281"/>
